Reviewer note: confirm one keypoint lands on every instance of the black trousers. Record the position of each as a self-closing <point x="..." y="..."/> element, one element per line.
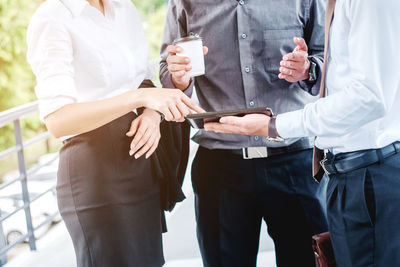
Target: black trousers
<point x="109" y="201"/>
<point x="233" y="196"/>
<point x="364" y="215"/>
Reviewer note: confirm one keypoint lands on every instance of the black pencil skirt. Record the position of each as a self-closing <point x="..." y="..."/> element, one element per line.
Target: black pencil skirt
<point x="110" y="202"/>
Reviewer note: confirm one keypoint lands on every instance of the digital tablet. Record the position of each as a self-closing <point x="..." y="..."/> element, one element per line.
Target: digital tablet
<point x="197" y="120"/>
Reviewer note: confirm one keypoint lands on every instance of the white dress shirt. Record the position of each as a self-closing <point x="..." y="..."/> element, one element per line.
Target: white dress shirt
<point x="80" y="55"/>
<point x="362" y="109"/>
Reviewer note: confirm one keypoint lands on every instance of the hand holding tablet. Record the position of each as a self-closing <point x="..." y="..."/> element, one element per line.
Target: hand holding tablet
<point x="198" y="120"/>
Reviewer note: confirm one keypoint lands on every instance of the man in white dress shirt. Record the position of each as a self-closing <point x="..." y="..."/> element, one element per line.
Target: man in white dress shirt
<point x="358" y="126"/>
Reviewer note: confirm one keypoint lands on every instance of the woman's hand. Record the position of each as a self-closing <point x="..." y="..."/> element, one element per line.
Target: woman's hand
<point x="146" y="129"/>
<point x="173" y="103"/>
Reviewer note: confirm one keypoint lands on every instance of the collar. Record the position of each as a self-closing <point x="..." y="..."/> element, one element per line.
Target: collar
<point x="77" y="6"/>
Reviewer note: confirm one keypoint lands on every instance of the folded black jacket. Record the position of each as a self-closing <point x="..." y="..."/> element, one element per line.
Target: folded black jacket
<point x="170" y="159"/>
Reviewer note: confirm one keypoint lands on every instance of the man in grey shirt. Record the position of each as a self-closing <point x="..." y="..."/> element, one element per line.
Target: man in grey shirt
<point x="246" y="41"/>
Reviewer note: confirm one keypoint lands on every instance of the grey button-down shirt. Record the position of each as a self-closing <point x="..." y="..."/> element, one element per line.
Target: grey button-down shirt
<point x="246" y="41"/>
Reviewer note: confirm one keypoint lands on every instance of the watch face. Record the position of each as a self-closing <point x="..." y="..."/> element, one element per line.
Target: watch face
<point x="312" y="73"/>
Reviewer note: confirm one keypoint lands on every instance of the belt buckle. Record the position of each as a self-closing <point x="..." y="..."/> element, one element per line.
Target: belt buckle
<point x="255" y="152"/>
<point x="322" y="163"/>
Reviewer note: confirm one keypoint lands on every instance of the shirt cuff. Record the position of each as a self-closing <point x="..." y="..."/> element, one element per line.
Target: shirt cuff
<point x="291" y="125"/>
<point x="168" y="83"/>
<point x="50" y="105"/>
<point x="55" y="92"/>
<point x="313" y="87"/>
<point x="310" y="87"/>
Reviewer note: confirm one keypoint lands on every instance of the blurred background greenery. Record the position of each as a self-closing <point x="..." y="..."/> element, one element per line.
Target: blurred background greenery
<point x="17" y="81"/>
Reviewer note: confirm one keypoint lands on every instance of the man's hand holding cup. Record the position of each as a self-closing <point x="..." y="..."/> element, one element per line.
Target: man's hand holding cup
<point x="180" y="65"/>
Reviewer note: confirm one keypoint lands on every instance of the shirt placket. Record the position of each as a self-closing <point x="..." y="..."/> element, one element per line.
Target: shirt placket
<point x="246" y="59"/>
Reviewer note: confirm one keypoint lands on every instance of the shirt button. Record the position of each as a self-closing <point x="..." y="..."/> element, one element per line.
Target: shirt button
<point x="247" y="69"/>
<point x="256" y="138"/>
<point x="241" y="2"/>
<point x="244" y="36"/>
<point x="251" y="103"/>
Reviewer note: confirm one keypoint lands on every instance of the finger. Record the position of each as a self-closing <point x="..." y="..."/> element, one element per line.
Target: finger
<point x="287" y="78"/>
<point x="296" y="56"/>
<point x="179" y="74"/>
<point x="301" y="44"/>
<point x="288" y="56"/>
<point x="134" y="127"/>
<point x="139" y="135"/>
<point x="183" y="109"/>
<point x="286" y="71"/>
<point x="205" y="50"/>
<point x="222" y="128"/>
<point x="232" y="120"/>
<point x="175" y="112"/>
<point x="153" y="148"/>
<point x="167" y="114"/>
<point x="145" y="138"/>
<point x="178" y="67"/>
<point x="173" y="49"/>
<point x="290" y="72"/>
<point x="300" y="56"/>
<point x="191" y="104"/>
<point x="146" y="147"/>
<point x="294" y="65"/>
<point x="178" y="60"/>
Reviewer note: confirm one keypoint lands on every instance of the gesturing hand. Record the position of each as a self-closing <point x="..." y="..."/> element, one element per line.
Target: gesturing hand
<point x="146" y="132"/>
<point x="173" y="103"/>
<point x="252" y="124"/>
<point x="295" y="65"/>
<point x="179" y="66"/>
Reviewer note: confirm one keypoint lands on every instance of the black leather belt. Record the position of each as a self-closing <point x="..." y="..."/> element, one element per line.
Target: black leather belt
<point x="265" y="152"/>
<point x="347" y="162"/>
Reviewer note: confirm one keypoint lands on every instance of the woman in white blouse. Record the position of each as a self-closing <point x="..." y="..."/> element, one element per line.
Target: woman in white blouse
<point x="89" y="58"/>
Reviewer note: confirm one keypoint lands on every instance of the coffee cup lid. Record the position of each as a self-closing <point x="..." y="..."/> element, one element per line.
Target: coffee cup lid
<point x="187" y="39"/>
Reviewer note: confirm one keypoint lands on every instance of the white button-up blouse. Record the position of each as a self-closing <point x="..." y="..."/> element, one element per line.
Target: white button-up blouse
<point x="80" y="55"/>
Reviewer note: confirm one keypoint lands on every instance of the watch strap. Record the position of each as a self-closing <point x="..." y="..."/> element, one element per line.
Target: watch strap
<point x="272" y="132"/>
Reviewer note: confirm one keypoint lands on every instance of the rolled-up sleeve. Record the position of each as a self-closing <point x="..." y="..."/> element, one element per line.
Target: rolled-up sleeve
<point x="50" y="54"/>
<point x="175" y="27"/>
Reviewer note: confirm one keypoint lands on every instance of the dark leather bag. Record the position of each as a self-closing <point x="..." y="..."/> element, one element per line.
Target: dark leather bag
<point x="323" y="250"/>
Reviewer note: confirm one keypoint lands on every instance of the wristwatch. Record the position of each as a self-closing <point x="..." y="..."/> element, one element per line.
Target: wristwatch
<point x="312" y="72"/>
<point x="273" y="135"/>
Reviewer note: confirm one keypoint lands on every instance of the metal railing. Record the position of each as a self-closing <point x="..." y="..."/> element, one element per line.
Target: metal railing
<point x="14" y="116"/>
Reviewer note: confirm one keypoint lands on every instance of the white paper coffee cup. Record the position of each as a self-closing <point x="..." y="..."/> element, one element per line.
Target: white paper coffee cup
<point x="192" y="47"/>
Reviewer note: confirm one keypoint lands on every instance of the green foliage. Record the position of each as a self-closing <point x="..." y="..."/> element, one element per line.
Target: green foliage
<point x="148" y="7"/>
<point x="16" y="79"/>
<point x="153" y="16"/>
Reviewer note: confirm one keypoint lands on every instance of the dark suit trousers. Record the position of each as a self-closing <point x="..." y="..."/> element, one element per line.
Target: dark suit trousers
<point x="234" y="195"/>
<point x="364" y="215"/>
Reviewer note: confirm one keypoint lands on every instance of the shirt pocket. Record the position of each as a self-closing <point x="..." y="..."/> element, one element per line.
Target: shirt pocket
<point x="277" y="43"/>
